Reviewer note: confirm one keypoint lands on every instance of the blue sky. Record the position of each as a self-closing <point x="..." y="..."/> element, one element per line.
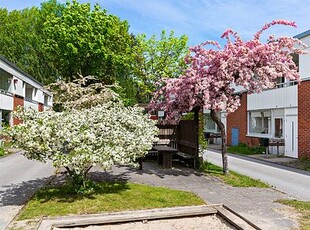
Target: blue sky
<point x="200" y="20"/>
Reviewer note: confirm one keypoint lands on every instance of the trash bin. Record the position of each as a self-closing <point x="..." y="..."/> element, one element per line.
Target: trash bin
<point x="264" y="142"/>
<point x="207" y="135"/>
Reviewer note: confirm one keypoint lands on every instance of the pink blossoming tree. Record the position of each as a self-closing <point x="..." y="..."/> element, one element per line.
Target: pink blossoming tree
<point x="213" y="75"/>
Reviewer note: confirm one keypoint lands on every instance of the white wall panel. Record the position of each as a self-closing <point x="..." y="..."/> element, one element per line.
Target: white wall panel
<point x="18" y="87"/>
<point x="291" y="111"/>
<point x="31" y="105"/>
<point x="6" y="102"/>
<point x="304" y="65"/>
<point x="271" y="99"/>
<point x="40" y="96"/>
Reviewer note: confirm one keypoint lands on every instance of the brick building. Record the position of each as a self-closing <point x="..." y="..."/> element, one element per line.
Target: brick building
<point x="17" y="88"/>
<point x="281" y="114"/>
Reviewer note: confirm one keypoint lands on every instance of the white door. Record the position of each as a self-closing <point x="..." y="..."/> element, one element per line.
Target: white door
<point x="291" y="143"/>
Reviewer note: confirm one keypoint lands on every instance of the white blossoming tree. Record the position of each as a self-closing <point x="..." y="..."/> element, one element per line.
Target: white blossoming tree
<point x="78" y="139"/>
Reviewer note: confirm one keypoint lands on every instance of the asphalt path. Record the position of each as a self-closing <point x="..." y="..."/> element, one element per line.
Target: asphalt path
<point x="19" y="179"/>
<point x="293" y="182"/>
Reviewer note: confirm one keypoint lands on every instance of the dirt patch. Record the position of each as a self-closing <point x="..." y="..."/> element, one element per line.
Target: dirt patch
<point x="24" y="224"/>
<point x="290" y="213"/>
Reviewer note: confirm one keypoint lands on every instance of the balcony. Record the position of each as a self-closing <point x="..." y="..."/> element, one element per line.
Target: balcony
<point x="283" y="97"/>
<point x="29" y="103"/>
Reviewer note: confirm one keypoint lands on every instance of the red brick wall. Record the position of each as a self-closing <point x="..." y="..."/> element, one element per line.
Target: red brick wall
<point x="304" y="119"/>
<point x="41" y="107"/>
<point x="17" y="101"/>
<point x="238" y="119"/>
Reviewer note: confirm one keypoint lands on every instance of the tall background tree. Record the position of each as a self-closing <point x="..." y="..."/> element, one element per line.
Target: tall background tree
<point x="88" y="42"/>
<point x="20" y="42"/>
<point x="62" y="41"/>
<point x="212" y="76"/>
<point x="157" y="59"/>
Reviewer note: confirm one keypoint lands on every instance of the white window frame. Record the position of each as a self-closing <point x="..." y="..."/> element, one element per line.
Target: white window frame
<point x="263" y="135"/>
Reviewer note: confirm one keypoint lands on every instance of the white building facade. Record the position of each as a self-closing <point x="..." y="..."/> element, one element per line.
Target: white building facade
<point x="17" y="88"/>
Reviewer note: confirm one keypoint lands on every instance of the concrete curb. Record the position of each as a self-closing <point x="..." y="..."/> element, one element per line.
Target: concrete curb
<point x="152" y="214"/>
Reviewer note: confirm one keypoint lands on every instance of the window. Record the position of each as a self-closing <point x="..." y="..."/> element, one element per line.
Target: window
<point x="5" y="116"/>
<point x="5" y="80"/>
<point x="278" y="127"/>
<point x="29" y="91"/>
<point x="210" y="124"/>
<point x="280" y="82"/>
<point x="45" y="99"/>
<point x="260" y="122"/>
<point x="296" y="59"/>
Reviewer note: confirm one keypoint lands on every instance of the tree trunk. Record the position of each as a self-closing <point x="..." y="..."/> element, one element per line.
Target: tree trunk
<point x="221" y="126"/>
<point x="79" y="180"/>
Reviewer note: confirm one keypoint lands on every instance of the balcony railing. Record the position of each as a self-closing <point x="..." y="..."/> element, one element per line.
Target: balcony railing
<point x="286" y="84"/>
<point x="31" y="101"/>
<point x="2" y="91"/>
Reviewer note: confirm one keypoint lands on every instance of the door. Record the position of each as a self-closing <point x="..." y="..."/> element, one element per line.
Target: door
<point x="291" y="143"/>
<point x="234" y="136"/>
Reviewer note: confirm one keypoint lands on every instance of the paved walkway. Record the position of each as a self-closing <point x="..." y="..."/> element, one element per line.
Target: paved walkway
<point x="19" y="180"/>
<point x="289" y="180"/>
<point x="255" y="204"/>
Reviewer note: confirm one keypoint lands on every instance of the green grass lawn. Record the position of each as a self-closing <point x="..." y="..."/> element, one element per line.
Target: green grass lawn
<point x="2" y="152"/>
<point x="4" y="149"/>
<point x="106" y="197"/>
<point x="303" y="207"/>
<point x="243" y="149"/>
<point x="234" y="179"/>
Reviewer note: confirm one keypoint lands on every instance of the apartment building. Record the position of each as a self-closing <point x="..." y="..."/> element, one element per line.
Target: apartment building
<point x="17" y="88"/>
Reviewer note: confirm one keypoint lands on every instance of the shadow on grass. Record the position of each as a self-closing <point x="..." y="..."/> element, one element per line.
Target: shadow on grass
<point x="64" y="192"/>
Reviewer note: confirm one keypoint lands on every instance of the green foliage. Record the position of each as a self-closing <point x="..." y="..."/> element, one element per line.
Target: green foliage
<point x="105" y="197"/>
<point x="21" y="42"/>
<point x="243" y="149"/>
<point x="2" y="152"/>
<point x="62" y="41"/>
<point x="188" y="116"/>
<point x="234" y="179"/>
<point x="203" y="143"/>
<point x="87" y="41"/>
<point x="303" y="207"/>
<point x="157" y="59"/>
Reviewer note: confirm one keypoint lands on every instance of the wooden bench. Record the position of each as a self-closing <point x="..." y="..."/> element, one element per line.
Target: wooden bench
<point x="185" y="157"/>
<point x="182" y="138"/>
<point x="277" y="144"/>
<point x="186" y="153"/>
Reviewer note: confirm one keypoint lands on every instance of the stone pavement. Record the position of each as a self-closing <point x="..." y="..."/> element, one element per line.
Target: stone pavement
<point x="255" y="204"/>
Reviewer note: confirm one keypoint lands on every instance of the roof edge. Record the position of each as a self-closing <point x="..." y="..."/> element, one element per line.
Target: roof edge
<point x="303" y="34"/>
<point x="19" y="70"/>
